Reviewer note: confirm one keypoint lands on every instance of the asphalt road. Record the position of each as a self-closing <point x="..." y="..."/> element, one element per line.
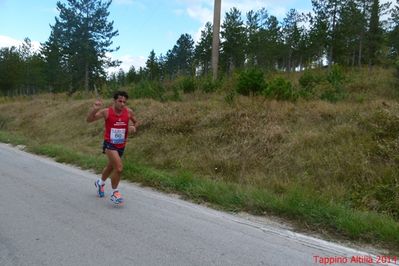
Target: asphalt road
<point x="50" y="215"/>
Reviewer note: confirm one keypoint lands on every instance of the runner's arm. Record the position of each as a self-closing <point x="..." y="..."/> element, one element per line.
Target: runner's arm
<point x="96" y="112"/>
<point x="134" y="123"/>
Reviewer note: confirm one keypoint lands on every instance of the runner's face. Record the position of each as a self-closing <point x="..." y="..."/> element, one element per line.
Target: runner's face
<point x="120" y="103"/>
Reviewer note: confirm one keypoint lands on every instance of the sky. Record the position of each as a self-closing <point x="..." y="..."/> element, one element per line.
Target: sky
<point x="143" y="25"/>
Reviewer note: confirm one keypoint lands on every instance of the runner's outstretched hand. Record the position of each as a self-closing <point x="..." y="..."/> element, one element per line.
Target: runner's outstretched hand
<point x="98" y="104"/>
<point x="132" y="129"/>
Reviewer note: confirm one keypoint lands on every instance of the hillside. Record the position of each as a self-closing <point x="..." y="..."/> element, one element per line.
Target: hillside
<point x="332" y="168"/>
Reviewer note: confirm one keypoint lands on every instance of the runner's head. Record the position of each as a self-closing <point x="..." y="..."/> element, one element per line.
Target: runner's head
<point x="120" y="93"/>
<point x="120" y="98"/>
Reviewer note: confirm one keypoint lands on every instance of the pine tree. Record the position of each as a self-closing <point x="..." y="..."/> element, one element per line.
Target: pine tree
<point x="271" y="39"/>
<point x="394" y="32"/>
<point x="327" y="13"/>
<point x="292" y="38"/>
<point x="203" y="49"/>
<point x="318" y="38"/>
<point x="131" y="75"/>
<point x="233" y="46"/>
<point x="85" y="37"/>
<point x="152" y="67"/>
<point x="374" y="33"/>
<point x="253" y="37"/>
<point x="33" y="69"/>
<point x="55" y="68"/>
<point x="169" y="65"/>
<point x="184" y="54"/>
<point x="11" y="70"/>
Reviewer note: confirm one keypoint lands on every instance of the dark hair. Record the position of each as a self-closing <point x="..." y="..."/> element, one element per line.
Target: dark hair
<point x="121" y="93"/>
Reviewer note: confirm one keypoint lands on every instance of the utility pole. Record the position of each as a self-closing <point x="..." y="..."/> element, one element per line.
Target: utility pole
<point x="215" y="39"/>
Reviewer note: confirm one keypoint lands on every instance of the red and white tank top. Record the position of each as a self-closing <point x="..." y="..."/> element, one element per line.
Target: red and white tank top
<point x="116" y="127"/>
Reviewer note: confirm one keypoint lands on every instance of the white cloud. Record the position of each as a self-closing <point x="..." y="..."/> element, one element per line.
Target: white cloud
<point x="6" y="41"/>
<point x="127" y="62"/>
<point x="200" y="13"/>
<point x="202" y="10"/>
<point x="280" y="12"/>
<point x="244" y="6"/>
<point x="197" y="35"/>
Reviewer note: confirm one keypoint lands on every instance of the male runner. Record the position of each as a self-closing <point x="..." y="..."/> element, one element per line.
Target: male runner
<point x="117" y="126"/>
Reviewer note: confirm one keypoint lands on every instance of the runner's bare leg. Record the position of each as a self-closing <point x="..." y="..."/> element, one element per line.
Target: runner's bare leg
<point x="106" y="171"/>
<point x="116" y="162"/>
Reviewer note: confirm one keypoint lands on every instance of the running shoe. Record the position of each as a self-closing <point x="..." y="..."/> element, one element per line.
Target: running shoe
<point x="116" y="197"/>
<point x="100" y="188"/>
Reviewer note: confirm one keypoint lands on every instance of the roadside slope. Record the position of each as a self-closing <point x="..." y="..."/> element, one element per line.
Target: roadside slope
<point x="331" y="168"/>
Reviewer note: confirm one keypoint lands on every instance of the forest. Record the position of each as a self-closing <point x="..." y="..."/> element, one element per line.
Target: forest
<point x="345" y="33"/>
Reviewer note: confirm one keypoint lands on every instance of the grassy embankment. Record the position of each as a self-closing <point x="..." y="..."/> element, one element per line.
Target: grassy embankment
<point x="332" y="168"/>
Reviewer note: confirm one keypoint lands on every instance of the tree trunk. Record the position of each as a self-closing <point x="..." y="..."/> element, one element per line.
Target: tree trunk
<point x="215" y="39"/>
<point x="360" y="50"/>
<point x="87" y="78"/>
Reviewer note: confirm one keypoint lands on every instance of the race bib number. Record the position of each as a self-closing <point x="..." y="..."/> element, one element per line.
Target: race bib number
<point x="117" y="135"/>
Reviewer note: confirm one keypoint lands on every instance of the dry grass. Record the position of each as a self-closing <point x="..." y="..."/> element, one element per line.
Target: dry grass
<point x="325" y="147"/>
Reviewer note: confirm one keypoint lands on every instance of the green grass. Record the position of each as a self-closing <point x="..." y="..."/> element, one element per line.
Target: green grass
<point x="13" y="139"/>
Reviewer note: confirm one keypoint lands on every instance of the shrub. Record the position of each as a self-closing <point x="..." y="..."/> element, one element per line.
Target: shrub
<point x="280" y="89"/>
<point x="336" y="79"/>
<point x="186" y="84"/>
<point x="250" y="81"/>
<point x="175" y="96"/>
<point x="148" y="89"/>
<point x="207" y="85"/>
<point x="332" y="96"/>
<point x="308" y="82"/>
